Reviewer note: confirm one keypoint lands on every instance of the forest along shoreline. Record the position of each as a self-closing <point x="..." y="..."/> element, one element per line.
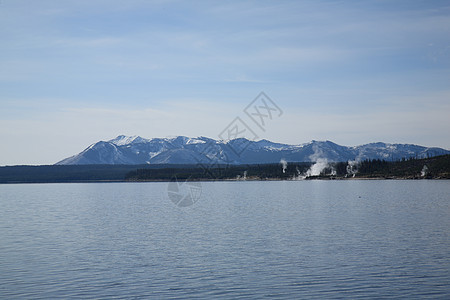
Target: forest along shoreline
<point x="429" y="168"/>
<point x="437" y="167"/>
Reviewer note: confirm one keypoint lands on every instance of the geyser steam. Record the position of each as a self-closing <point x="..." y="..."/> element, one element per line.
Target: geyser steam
<point x="321" y="163"/>
<point x="284" y="164"/>
<point x="424" y="171"/>
<point x="352" y="167"/>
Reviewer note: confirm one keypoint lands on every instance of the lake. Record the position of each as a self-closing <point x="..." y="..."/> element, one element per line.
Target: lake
<point x="279" y="239"/>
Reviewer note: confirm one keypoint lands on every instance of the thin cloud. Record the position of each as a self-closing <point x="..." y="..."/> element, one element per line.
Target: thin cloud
<point x="348" y="72"/>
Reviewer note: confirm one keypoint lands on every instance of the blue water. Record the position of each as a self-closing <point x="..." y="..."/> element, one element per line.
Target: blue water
<point x="304" y="239"/>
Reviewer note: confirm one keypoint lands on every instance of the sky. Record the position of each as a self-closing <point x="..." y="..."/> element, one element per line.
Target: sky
<point x="76" y="72"/>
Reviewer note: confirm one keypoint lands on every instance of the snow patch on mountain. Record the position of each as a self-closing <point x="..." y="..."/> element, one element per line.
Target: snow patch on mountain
<point x="194" y="141"/>
<point x="122" y="140"/>
<point x="184" y="150"/>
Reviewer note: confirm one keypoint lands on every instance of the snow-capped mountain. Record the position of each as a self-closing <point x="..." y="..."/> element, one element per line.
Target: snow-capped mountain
<point x="184" y="150"/>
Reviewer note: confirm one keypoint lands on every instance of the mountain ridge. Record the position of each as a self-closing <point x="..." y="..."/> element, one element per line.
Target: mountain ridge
<point x="203" y="150"/>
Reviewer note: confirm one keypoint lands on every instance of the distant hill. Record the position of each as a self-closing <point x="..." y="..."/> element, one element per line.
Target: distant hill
<point x="134" y="150"/>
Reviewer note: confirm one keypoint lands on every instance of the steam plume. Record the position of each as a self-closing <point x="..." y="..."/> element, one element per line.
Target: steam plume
<point x="352" y="165"/>
<point x="320" y="162"/>
<point x="424" y="171"/>
<point x="352" y="168"/>
<point x="284" y="163"/>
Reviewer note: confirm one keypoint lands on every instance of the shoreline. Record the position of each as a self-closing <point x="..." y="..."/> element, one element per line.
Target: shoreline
<point x="227" y="180"/>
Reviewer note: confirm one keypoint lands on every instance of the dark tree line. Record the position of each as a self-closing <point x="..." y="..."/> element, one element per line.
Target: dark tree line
<point x="433" y="167"/>
<point x="221" y="172"/>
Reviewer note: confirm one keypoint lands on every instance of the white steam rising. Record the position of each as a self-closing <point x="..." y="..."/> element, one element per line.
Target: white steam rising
<point x="352" y="167"/>
<point x="244" y="177"/>
<point x="299" y="176"/>
<point x="424" y="171"/>
<point x="284" y="164"/>
<point x="318" y="167"/>
<point x="321" y="163"/>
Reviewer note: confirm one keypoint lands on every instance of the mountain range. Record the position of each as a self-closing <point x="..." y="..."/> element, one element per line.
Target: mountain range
<point x="131" y="150"/>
